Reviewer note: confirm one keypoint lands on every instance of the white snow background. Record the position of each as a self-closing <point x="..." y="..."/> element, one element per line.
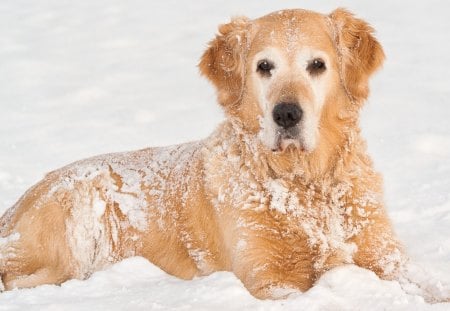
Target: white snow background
<point x="80" y="78"/>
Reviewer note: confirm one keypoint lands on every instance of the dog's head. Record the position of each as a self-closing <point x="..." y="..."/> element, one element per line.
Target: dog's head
<point x="285" y="74"/>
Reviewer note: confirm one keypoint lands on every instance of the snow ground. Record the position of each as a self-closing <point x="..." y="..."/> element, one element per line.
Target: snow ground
<point x="80" y="78"/>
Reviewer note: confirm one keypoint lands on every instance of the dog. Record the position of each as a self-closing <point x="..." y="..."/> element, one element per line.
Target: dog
<point x="281" y="192"/>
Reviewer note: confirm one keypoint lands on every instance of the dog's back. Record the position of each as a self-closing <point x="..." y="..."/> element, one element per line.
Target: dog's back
<point x="98" y="211"/>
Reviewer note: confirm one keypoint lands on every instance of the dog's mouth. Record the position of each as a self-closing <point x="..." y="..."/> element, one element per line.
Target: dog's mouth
<point x="288" y="138"/>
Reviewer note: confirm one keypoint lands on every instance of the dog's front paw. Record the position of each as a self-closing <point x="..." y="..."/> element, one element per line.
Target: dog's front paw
<point x="435" y="291"/>
<point x="282" y="292"/>
<point x="417" y="281"/>
<point x="274" y="291"/>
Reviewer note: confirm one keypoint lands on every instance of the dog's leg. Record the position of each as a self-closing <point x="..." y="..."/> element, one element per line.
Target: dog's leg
<point x="377" y="247"/>
<point x="23" y="265"/>
<point x="39" y="277"/>
<point x="416" y="280"/>
<point x="33" y="247"/>
<point x="267" y="271"/>
<point x="379" y="251"/>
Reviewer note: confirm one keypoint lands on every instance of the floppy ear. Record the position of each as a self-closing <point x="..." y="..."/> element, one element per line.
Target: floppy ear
<point x="223" y="63"/>
<point x="361" y="54"/>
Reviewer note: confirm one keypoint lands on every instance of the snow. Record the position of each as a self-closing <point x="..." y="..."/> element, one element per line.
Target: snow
<point x="90" y="77"/>
<point x="136" y="284"/>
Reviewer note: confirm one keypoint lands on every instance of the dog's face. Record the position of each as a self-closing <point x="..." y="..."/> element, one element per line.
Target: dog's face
<point x="277" y="74"/>
<point x="292" y="65"/>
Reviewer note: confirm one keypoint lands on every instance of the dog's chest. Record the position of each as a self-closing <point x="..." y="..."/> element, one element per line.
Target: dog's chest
<point x="321" y="214"/>
<point x="326" y="214"/>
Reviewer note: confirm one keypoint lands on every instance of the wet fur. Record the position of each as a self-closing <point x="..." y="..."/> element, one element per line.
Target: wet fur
<point x="224" y="203"/>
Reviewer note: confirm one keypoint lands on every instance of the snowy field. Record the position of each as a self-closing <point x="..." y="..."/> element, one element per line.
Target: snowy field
<point x="80" y="78"/>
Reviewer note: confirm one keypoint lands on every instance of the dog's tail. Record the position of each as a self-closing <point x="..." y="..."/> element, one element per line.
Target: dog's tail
<point x="7" y="242"/>
<point x="7" y="252"/>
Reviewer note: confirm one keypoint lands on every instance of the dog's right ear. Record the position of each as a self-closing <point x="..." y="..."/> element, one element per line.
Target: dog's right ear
<point x="223" y="62"/>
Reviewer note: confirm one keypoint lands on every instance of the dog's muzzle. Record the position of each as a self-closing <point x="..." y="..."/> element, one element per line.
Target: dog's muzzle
<point x="287" y="116"/>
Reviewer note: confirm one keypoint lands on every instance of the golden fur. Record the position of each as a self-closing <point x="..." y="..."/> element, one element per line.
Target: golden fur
<point x="277" y="219"/>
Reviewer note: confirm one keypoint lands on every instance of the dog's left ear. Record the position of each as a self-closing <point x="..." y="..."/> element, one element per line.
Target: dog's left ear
<point x="361" y="54"/>
<point x="223" y="61"/>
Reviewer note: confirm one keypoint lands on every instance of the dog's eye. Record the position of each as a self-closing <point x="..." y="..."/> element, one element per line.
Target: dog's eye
<point x="264" y="67"/>
<point x="316" y="67"/>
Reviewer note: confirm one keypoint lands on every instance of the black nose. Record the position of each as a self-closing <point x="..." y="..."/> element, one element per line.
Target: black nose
<point x="287" y="115"/>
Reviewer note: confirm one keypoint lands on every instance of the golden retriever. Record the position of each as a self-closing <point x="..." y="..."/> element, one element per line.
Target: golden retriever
<point x="281" y="192"/>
